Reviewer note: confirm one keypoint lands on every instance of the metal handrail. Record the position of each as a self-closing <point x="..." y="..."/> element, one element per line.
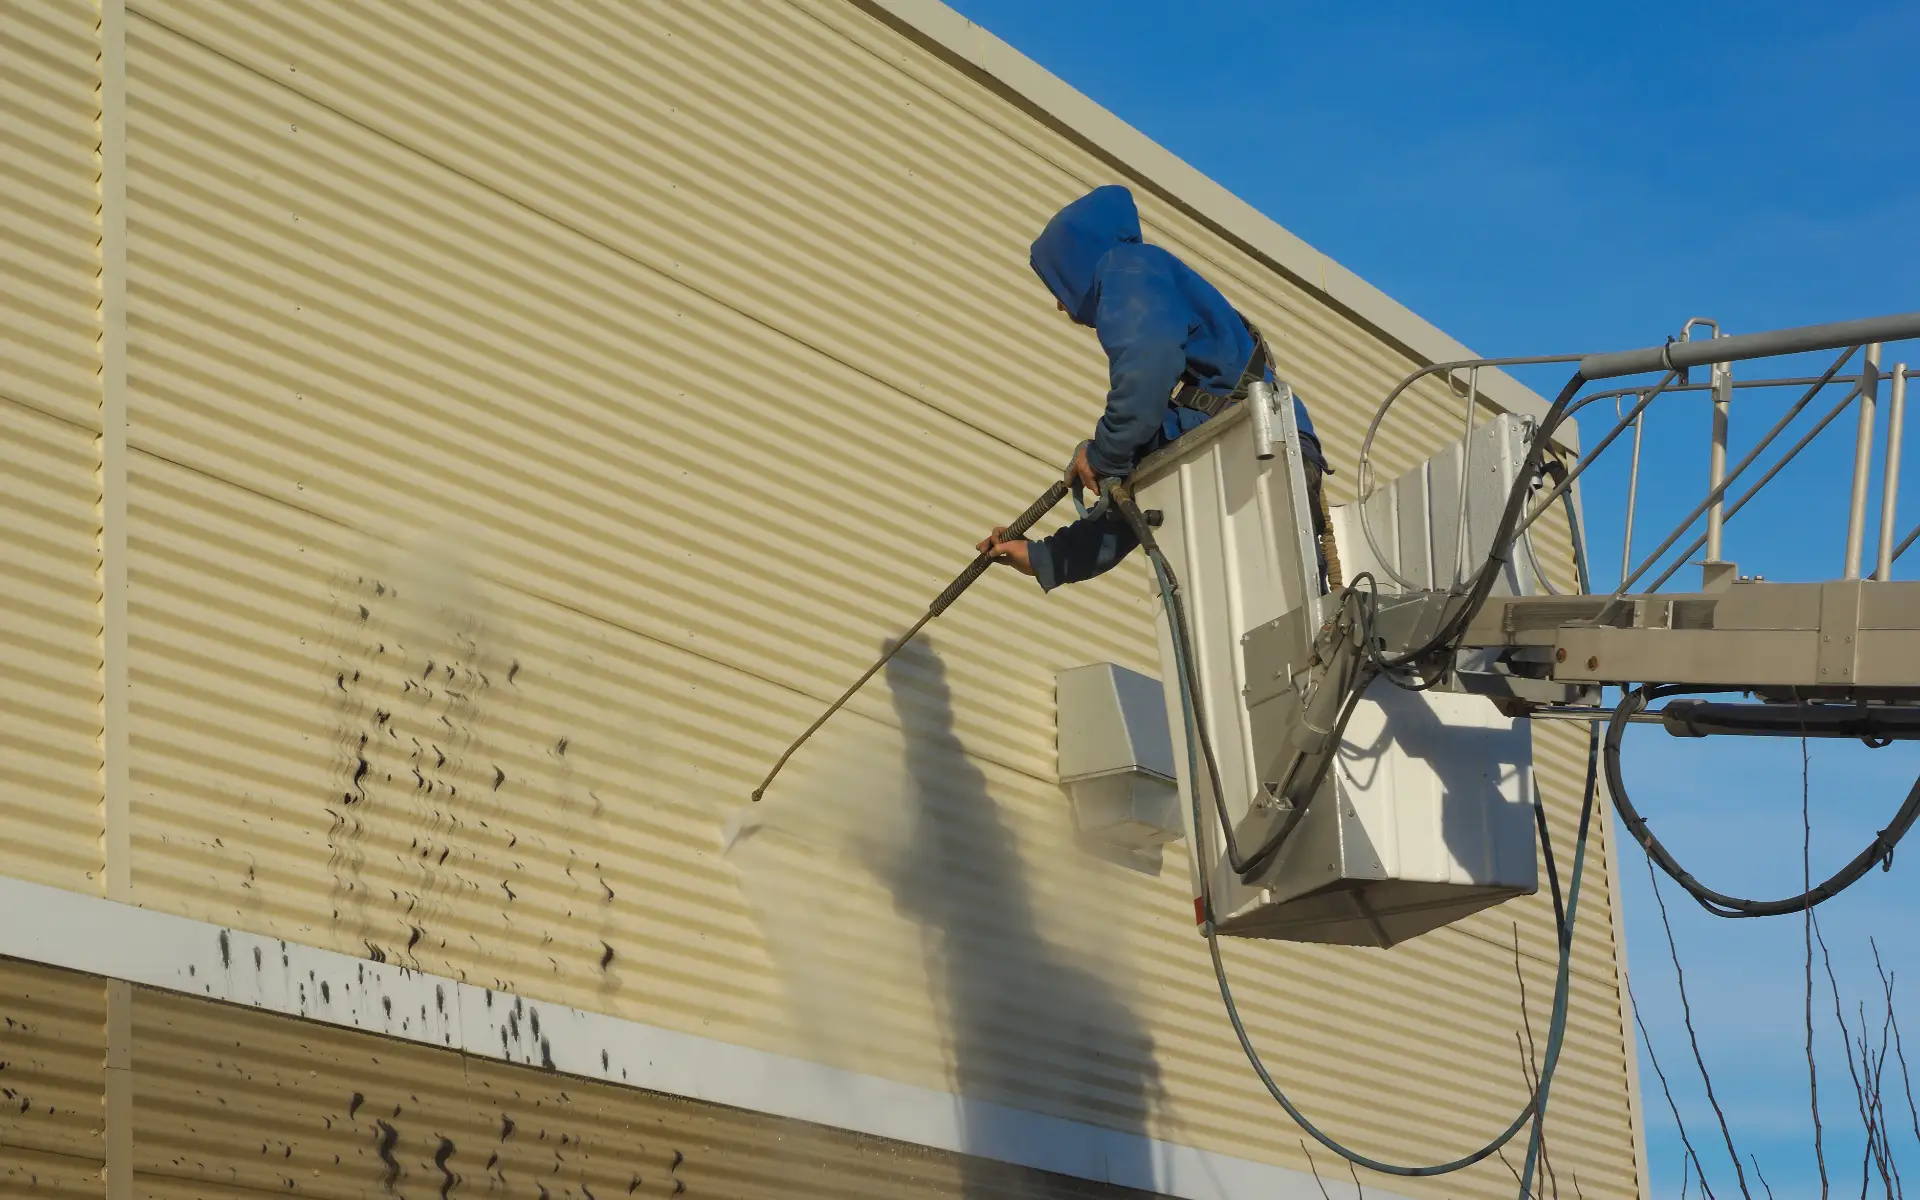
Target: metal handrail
<point x="1753" y="491"/>
<point x="1720" y="489"/>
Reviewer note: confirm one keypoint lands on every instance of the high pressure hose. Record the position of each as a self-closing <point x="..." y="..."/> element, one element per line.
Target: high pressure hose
<point x="1199" y="742"/>
<point x="1879" y="850"/>
<point x="1447" y="636"/>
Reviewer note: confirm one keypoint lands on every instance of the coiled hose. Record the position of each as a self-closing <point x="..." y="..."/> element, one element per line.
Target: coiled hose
<point x="1879" y="850"/>
<point x="1198" y="741"/>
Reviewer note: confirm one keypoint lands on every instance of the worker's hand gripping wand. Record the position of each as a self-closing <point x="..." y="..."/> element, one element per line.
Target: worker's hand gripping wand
<point x="978" y="567"/>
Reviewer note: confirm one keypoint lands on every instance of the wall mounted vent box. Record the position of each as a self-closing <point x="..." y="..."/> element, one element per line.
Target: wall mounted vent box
<point x="1116" y="756"/>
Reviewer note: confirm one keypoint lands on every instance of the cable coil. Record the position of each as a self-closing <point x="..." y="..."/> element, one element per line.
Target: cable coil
<point x="1199" y="742"/>
<point x="1720" y="904"/>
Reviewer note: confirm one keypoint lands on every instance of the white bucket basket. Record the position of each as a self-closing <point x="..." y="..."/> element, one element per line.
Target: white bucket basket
<point x="1425" y="817"/>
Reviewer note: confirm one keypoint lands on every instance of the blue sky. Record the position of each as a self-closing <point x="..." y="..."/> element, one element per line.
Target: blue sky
<point x="1562" y="178"/>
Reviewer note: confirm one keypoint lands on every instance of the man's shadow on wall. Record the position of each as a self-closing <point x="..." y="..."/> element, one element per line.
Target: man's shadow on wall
<point x="1029" y="1028"/>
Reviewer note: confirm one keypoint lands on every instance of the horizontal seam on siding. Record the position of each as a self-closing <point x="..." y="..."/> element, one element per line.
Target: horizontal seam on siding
<point x="622" y="255"/>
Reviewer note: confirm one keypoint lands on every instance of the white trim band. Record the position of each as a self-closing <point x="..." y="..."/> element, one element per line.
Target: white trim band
<point x="196" y="958"/>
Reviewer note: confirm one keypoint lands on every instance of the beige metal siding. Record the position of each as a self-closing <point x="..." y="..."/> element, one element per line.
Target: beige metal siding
<point x="52" y="1057"/>
<point x="49" y="422"/>
<point x="235" y="1103"/>
<point x="535" y="413"/>
<point x="49" y="103"/>
<point x="49" y="651"/>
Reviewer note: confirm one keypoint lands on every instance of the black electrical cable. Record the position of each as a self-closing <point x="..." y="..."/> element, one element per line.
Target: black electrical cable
<point x="1198" y="741"/>
<point x="1553" y="870"/>
<point x="1371" y="644"/>
<point x="1119" y="498"/>
<point x="1880" y="850"/>
<point x="1355" y="685"/>
<point x="1447" y="636"/>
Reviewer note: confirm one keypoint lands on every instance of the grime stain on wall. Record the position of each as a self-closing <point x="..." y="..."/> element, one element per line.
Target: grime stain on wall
<point x="468" y="826"/>
<point x="411" y="682"/>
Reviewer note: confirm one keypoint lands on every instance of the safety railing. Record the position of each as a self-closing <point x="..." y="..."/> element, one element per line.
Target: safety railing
<point x="1862" y="390"/>
<point x="1716" y="352"/>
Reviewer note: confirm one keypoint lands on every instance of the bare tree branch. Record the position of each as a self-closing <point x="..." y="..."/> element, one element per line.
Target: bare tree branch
<point x="1530" y="1071"/>
<point x="1693" y="1039"/>
<point x="1312" y="1166"/>
<point x="1906" y="1080"/>
<point x="1806" y="884"/>
<point x="1846" y="1040"/>
<point x="1357" y="1189"/>
<point x="1870" y="1104"/>
<point x="1759" y="1176"/>
<point x="1546" y="1182"/>
<point x="1889" y="1169"/>
<point x="1692" y="1157"/>
<point x="1511" y="1169"/>
<point x="1899" y="1051"/>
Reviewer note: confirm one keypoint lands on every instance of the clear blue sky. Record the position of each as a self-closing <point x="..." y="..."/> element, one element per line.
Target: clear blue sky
<point x="1560" y="178"/>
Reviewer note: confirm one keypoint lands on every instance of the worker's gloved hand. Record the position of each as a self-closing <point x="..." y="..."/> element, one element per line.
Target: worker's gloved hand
<point x="1013" y="552"/>
<point x="1081" y="471"/>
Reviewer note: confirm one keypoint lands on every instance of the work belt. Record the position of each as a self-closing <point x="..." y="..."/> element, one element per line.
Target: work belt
<point x="1190" y="394"/>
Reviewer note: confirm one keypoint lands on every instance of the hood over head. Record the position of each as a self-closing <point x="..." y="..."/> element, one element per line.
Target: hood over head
<point x="1076" y="239"/>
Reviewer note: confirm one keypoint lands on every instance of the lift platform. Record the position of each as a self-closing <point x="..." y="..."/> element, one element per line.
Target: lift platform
<point x="1354" y="762"/>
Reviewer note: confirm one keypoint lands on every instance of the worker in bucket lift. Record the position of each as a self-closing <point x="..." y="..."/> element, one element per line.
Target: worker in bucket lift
<point x="1177" y="354"/>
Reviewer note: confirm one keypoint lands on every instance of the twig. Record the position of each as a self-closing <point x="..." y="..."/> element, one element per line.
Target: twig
<point x="1511" y="1169"/>
<point x="1865" y="1088"/>
<point x="1806" y="884"/>
<point x="1899" y="1051"/>
<point x="1693" y="1039"/>
<point x="1546" y="1182"/>
<point x="1813" y="1074"/>
<point x="1357" y="1189"/>
<point x="1870" y="1099"/>
<point x="1530" y="1070"/>
<point x="1692" y="1157"/>
<point x="1312" y="1166"/>
<point x="1906" y="1080"/>
<point x="1759" y="1176"/>
<point x="1846" y="1040"/>
<point x="1686" y="1175"/>
<point x="1888" y="1166"/>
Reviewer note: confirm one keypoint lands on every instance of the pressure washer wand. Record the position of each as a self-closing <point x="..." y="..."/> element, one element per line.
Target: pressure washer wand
<point x="978" y="567"/>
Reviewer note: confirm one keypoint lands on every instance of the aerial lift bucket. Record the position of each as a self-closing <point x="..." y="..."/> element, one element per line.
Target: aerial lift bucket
<point x="1426" y="814"/>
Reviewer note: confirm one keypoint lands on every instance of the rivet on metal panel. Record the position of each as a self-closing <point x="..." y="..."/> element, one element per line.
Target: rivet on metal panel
<point x="1593" y="663"/>
<point x="1560" y="655"/>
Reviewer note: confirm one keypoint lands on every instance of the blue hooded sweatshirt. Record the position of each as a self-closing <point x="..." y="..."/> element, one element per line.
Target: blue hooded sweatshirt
<point x="1161" y="324"/>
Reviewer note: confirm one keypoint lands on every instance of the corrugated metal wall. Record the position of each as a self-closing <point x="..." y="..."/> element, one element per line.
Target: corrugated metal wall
<point x="52" y="1065"/>
<point x="229" y="1103"/>
<point x="340" y="1114"/>
<point x="50" y="422"/>
<point x="534" y="414"/>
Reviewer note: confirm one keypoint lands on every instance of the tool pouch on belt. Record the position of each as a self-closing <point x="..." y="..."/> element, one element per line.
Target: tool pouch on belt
<point x="1190" y="395"/>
